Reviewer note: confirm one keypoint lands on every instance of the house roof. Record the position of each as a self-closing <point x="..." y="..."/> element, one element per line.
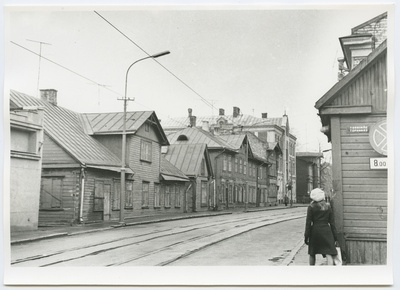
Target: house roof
<point x="187" y="157"/>
<point x="170" y="172"/>
<point x="234" y="140"/>
<point x="198" y="136"/>
<point x="258" y="147"/>
<point x="342" y="84"/>
<point x="112" y="123"/>
<point x="65" y="128"/>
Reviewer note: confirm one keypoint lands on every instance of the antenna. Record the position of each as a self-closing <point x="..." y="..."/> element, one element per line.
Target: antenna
<point x="40" y="58"/>
<point x="98" y="90"/>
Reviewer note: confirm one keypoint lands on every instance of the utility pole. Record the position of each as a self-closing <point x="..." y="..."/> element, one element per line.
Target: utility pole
<point x="40" y="59"/>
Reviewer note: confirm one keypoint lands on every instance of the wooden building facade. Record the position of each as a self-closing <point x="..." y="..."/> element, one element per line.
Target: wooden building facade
<point x="353" y="115"/>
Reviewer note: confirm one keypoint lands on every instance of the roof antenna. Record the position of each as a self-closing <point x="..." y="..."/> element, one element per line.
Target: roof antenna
<point x="40" y="58"/>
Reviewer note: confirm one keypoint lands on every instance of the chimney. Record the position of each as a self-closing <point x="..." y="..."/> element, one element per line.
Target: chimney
<point x="264" y="115"/>
<point x="49" y="95"/>
<point x="192" y="121"/>
<point x="221" y="112"/>
<point x="206" y="126"/>
<point x="190" y="112"/>
<point x="236" y="112"/>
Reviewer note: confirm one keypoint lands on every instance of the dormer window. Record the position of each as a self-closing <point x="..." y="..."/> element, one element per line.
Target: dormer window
<point x="182" y="138"/>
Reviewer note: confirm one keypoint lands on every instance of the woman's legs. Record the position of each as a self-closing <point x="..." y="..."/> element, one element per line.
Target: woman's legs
<point x="312" y="260"/>
<point x="329" y="258"/>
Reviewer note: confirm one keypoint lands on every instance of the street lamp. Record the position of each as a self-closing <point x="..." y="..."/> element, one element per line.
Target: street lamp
<point x="123" y="157"/>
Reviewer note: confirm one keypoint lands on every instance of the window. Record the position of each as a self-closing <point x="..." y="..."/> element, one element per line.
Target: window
<point x="203" y="168"/>
<point x="156" y="195"/>
<point x="147" y="127"/>
<point x="229" y="163"/>
<point x="23" y="140"/>
<point x="240" y="165"/>
<point x="178" y="196"/>
<point x="182" y="138"/>
<point x="145" y="194"/>
<point x="145" y="151"/>
<point x="50" y="193"/>
<point x="245" y="167"/>
<point x="98" y="196"/>
<point x="204" y="193"/>
<point x="236" y="164"/>
<point x="129" y="194"/>
<point x="230" y="193"/>
<point x="167" y="197"/>
<point x="116" y="194"/>
<point x="224" y="164"/>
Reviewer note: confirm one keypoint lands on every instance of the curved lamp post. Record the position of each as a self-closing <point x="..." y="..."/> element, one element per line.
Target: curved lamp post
<point x="123" y="158"/>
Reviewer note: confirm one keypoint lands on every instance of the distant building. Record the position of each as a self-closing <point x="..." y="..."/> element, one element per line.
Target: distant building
<point x="26" y="140"/>
<point x="308" y="169"/>
<point x="271" y="130"/>
<point x="353" y="115"/>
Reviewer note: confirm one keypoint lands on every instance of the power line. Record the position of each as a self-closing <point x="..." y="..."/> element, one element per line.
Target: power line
<point x="179" y="79"/>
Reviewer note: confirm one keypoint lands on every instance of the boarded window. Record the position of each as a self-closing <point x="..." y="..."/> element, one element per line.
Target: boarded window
<point x="145" y="194"/>
<point x="98" y="201"/>
<point x="157" y="195"/>
<point x="50" y="193"/>
<point x="178" y="196"/>
<point x="116" y="194"/>
<point x="203" y="193"/>
<point x="145" y="151"/>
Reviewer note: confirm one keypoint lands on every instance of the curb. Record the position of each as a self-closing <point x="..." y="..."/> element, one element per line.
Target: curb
<point x="50" y="236"/>
<point x="293" y="253"/>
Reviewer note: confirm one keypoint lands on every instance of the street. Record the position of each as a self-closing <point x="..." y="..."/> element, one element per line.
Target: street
<point x="253" y="238"/>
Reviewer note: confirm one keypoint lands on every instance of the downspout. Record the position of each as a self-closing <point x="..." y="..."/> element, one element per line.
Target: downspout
<point x="82" y="195"/>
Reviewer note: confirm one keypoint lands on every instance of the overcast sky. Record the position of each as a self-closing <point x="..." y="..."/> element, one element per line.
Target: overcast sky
<point x="260" y="60"/>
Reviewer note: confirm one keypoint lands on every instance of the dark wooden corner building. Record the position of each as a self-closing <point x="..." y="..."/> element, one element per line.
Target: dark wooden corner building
<point x="353" y="115"/>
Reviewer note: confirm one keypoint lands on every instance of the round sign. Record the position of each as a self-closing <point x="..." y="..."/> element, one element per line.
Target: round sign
<point x="378" y="137"/>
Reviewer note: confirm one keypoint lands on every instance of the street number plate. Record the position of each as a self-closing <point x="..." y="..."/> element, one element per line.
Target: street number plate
<point x="378" y="163"/>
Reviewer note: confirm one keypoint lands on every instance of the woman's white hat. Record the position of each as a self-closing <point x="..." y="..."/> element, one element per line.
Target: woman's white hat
<point x="317" y="194"/>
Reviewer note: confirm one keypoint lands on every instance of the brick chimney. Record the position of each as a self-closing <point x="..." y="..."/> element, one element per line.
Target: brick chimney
<point x="236" y="112"/>
<point x="221" y="112"/>
<point x="190" y="112"/>
<point x="49" y="95"/>
<point x="192" y="121"/>
<point x="264" y="115"/>
<point x="206" y="126"/>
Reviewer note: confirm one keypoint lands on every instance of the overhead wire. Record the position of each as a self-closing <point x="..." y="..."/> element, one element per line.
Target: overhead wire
<point x="168" y="70"/>
<point x="88" y="79"/>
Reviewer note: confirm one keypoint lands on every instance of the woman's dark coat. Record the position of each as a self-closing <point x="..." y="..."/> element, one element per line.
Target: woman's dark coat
<point x="320" y="233"/>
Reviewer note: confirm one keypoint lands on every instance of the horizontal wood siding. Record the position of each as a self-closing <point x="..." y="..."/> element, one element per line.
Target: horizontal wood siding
<point x="69" y="198"/>
<point x="364" y="194"/>
<point x="369" y="88"/>
<point x="54" y="154"/>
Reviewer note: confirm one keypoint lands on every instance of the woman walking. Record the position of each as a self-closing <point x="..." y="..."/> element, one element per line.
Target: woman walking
<point x="320" y="234"/>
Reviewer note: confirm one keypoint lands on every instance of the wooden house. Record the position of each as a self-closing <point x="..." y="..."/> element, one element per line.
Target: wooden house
<point x="80" y="180"/>
<point x="353" y="115"/>
<point x="194" y="161"/>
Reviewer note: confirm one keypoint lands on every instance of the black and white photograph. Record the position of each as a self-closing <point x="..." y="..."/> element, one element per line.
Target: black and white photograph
<point x="204" y="145"/>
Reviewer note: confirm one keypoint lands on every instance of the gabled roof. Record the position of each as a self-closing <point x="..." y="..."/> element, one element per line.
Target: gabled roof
<point x="361" y="67"/>
<point x="65" y="128"/>
<point x="171" y="173"/>
<point x="258" y="147"/>
<point x="274" y="146"/>
<point x="234" y="140"/>
<point x="112" y="123"/>
<point x="199" y="136"/>
<point x="188" y="158"/>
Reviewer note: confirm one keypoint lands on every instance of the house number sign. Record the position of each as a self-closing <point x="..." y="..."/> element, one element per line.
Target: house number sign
<point x="378" y="137"/>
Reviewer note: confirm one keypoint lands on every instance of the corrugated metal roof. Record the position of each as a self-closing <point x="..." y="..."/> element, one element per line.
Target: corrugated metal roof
<point x="66" y="129"/>
<point x="168" y="169"/>
<point x="98" y="123"/>
<point x="234" y="140"/>
<point x="198" y="136"/>
<point x="186" y="157"/>
<point x="241" y="120"/>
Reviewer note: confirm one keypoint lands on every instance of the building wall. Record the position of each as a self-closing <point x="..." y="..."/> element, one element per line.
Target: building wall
<point x="26" y="137"/>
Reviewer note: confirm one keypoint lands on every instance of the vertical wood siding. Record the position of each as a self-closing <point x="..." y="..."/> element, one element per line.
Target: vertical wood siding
<point x="370" y="88"/>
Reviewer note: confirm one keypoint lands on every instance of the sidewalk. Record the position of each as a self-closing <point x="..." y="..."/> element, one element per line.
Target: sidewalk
<point x="67" y="230"/>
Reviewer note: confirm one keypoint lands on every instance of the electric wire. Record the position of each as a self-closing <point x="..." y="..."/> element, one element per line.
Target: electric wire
<point x="92" y="81"/>
<point x="168" y="70"/>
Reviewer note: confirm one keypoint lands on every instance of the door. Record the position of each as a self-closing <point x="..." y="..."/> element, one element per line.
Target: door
<point x="107" y="202"/>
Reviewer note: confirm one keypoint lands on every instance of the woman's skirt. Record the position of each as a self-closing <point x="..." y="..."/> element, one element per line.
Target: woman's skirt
<point x="321" y="240"/>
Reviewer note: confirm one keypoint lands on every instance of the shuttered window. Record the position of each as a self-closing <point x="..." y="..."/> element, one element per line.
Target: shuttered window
<point x="129" y="194"/>
<point x="145" y="151"/>
<point x="116" y="195"/>
<point x="51" y="193"/>
<point x="167" y="197"/>
<point x="98" y="202"/>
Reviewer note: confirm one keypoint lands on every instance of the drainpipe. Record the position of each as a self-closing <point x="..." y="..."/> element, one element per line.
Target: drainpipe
<point x="82" y="193"/>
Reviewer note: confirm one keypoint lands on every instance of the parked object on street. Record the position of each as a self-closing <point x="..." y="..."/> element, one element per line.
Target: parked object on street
<point x="320" y="233"/>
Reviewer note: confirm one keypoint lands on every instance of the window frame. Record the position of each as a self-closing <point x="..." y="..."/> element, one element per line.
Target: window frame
<point x="146" y="151"/>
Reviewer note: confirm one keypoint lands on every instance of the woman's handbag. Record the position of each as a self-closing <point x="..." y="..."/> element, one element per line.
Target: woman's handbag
<point x="337" y="260"/>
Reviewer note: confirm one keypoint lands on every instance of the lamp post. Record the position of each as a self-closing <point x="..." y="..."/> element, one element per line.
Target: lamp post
<point x="123" y="153"/>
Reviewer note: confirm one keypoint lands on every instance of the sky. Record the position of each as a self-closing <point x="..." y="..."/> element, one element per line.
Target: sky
<point x="260" y="59"/>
